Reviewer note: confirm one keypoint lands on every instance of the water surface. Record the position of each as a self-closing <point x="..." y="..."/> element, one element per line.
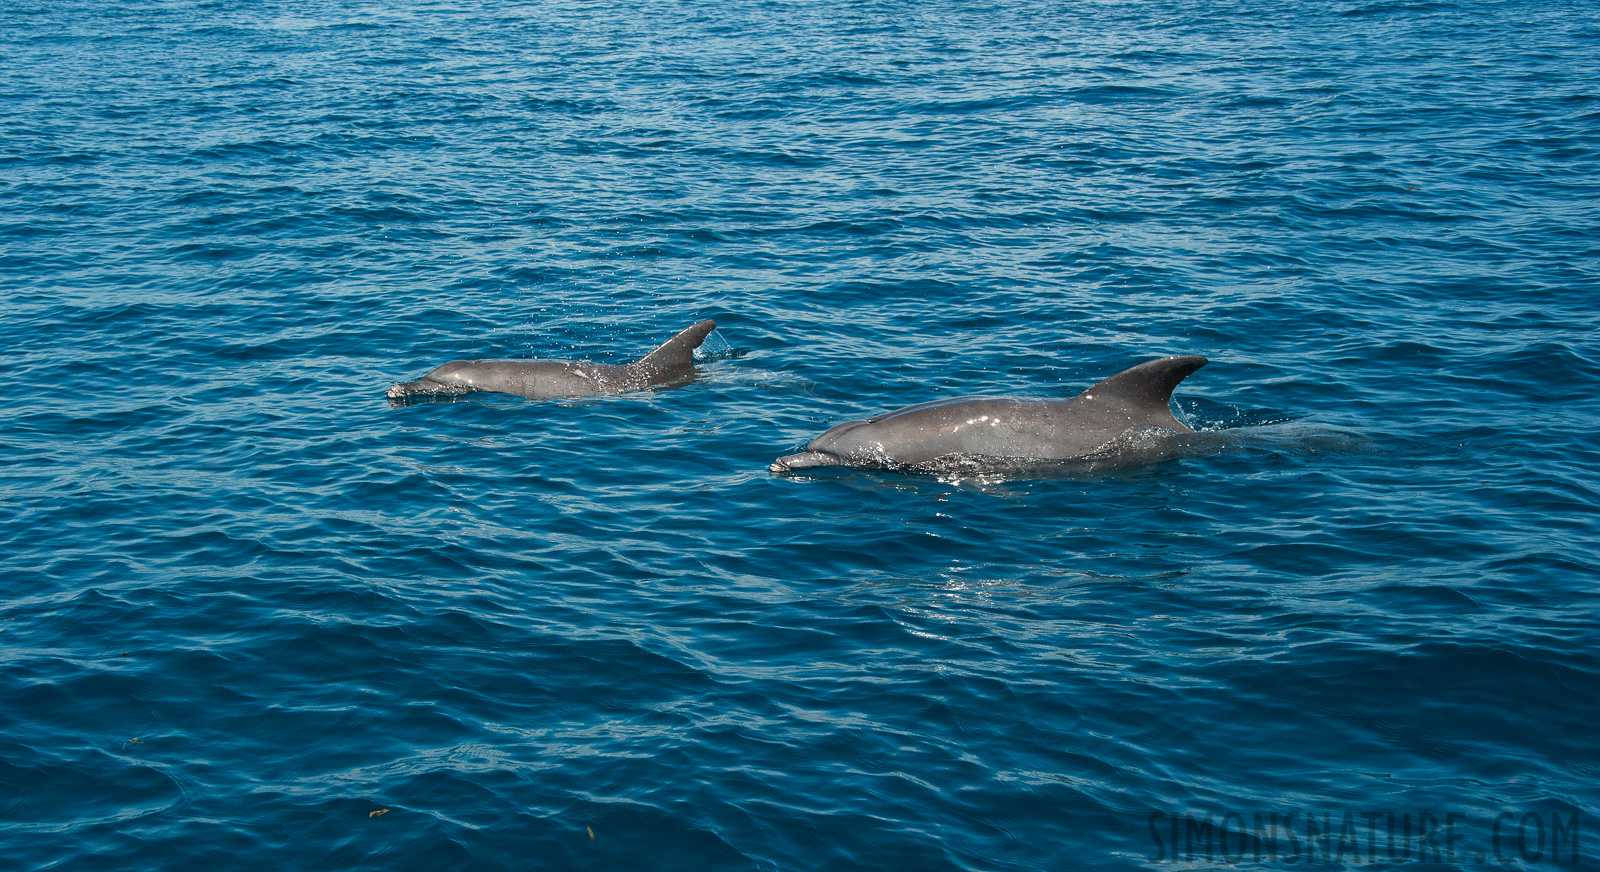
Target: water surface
<point x="255" y="617"/>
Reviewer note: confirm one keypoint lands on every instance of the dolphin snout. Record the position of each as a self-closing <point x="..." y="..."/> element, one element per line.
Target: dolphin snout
<point x="803" y="460"/>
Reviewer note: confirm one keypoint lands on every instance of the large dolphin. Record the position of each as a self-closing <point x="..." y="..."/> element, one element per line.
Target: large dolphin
<point x="672" y="363"/>
<point x="1130" y="410"/>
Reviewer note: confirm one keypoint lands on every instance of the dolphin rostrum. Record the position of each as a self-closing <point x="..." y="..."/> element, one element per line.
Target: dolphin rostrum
<point x="1094" y="425"/>
<point x="672" y="363"/>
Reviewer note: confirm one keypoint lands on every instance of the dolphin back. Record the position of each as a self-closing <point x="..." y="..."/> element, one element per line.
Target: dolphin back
<point x="1144" y="393"/>
<point x="671" y="363"/>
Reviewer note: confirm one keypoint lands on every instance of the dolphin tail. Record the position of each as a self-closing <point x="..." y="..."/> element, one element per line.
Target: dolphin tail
<point x="1147" y="389"/>
<point x="677" y="353"/>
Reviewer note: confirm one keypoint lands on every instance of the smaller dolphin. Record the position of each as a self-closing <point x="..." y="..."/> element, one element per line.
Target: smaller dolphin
<point x="978" y="431"/>
<point x="670" y="364"/>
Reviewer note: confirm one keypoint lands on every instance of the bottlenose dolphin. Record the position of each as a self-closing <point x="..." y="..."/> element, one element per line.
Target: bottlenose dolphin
<point x="670" y="364"/>
<point x="951" y="434"/>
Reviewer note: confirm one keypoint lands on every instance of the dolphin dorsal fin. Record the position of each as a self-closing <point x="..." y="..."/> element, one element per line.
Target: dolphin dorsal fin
<point x="678" y="352"/>
<point x="1146" y="389"/>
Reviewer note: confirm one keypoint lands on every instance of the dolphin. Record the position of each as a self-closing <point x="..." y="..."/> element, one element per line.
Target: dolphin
<point x="670" y="364"/>
<point x="1098" y="424"/>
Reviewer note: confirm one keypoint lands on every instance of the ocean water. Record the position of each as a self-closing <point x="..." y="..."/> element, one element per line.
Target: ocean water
<point x="254" y="616"/>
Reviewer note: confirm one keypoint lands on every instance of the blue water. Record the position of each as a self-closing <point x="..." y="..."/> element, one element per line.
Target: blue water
<point x="255" y="617"/>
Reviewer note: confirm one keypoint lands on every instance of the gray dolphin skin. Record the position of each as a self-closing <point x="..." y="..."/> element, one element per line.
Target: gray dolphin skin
<point x="670" y="364"/>
<point x="943" y="435"/>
